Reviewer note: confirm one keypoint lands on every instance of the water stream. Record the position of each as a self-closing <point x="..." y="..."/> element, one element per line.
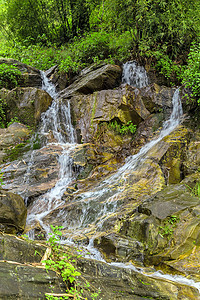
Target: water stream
<point x="98" y="203"/>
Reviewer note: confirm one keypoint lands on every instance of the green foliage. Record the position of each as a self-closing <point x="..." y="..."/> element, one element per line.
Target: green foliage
<point x="9" y="76"/>
<point x="45" y="22"/>
<point x="13" y="120"/>
<point x="168" y="228"/>
<point x="36" y="143"/>
<point x="62" y="262"/>
<point x="123" y="129"/>
<point x="191" y="74"/>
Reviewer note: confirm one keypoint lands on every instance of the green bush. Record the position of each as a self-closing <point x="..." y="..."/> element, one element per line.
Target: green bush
<point x="191" y="74"/>
<point x="9" y="76"/>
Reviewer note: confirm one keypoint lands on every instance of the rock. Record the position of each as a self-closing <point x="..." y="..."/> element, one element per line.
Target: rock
<point x="167" y="228"/>
<point x="59" y="79"/>
<point x="26" y="104"/>
<point x="126" y="283"/>
<point x="12" y="213"/>
<point x="26" y="282"/>
<point x="41" y="175"/>
<point x="106" y="77"/>
<point x="88" y="112"/>
<point x="192" y="155"/>
<point x="13" y="141"/>
<point x="30" y="76"/>
<point x="16" y="249"/>
<point x="157" y="97"/>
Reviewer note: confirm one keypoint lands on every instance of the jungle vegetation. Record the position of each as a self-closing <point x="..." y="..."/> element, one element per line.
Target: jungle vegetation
<point x="75" y="33"/>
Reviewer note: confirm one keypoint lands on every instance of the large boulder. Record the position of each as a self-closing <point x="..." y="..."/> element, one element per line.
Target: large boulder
<point x="30" y="76"/>
<point x="21" y="250"/>
<point x="13" y="212"/>
<point x="25" y="104"/>
<point x="122" y="104"/>
<point x="104" y="77"/>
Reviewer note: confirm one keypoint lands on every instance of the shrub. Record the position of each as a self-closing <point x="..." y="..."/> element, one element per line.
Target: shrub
<point x="191" y="74"/>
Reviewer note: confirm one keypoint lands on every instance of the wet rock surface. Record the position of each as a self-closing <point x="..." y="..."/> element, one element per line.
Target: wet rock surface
<point x="104" y="77"/>
<point x="120" y="283"/>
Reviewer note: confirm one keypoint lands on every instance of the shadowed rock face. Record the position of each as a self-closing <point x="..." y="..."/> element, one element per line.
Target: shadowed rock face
<point x="12" y="213"/>
<point x="25" y="282"/>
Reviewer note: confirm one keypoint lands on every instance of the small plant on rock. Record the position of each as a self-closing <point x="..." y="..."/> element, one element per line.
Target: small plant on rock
<point x="168" y="228"/>
<point x="128" y="128"/>
<point x="1" y="178"/>
<point x="63" y="263"/>
<point x="195" y="191"/>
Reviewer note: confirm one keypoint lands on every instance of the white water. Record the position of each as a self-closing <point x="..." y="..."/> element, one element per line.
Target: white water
<point x="134" y="74"/>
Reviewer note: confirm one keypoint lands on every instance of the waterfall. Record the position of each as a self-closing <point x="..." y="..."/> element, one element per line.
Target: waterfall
<point x="93" y="209"/>
<point x="98" y="203"/>
<point x="134" y="74"/>
<point x="57" y="122"/>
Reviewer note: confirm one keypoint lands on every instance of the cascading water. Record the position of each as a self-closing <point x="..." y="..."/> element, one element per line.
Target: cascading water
<point x="134" y="74"/>
<point x="56" y="122"/>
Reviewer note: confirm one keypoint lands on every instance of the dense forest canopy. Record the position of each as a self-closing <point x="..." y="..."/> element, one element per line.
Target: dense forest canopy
<point x="75" y="33"/>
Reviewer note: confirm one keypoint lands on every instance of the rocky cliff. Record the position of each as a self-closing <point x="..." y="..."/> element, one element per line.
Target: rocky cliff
<point x="133" y="205"/>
